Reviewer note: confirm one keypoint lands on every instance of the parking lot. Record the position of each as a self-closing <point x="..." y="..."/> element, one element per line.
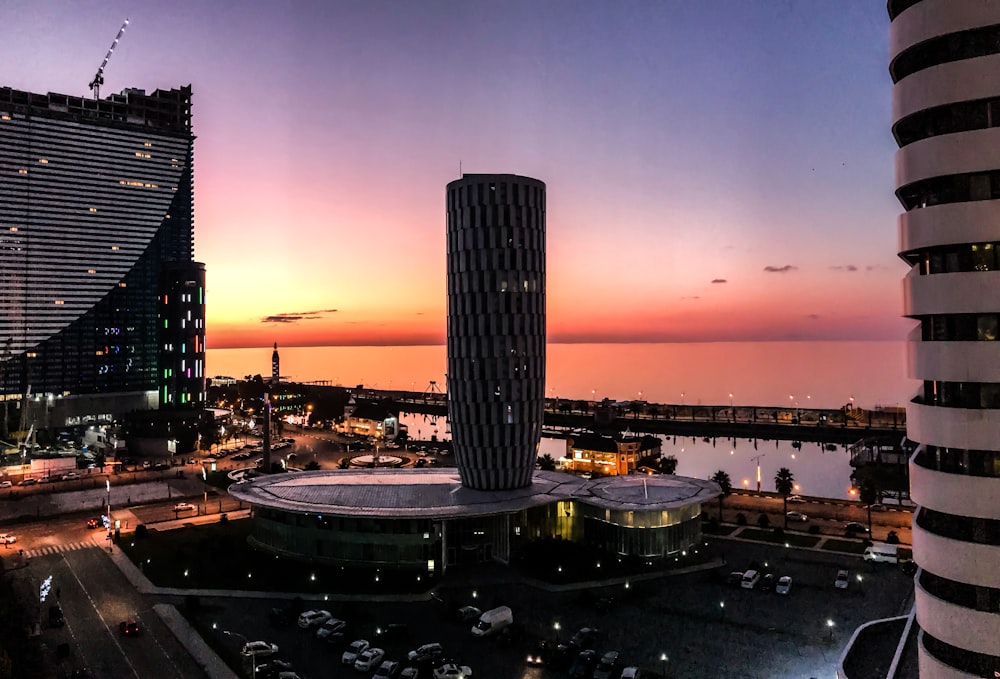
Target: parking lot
<point x="705" y="627"/>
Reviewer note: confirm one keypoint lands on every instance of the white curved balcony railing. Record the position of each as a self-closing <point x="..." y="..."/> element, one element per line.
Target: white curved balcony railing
<point x="931" y="18"/>
<point x="932" y="668"/>
<point x="968" y="292"/>
<point x="962" y="627"/>
<point x="967" y="562"/>
<point x="948" y="154"/>
<point x="953" y="361"/>
<point x="953" y="427"/>
<point x="947" y="83"/>
<point x="971" y="222"/>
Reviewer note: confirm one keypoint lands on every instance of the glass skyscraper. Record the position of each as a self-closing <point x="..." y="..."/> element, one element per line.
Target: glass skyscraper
<point x="96" y="206"/>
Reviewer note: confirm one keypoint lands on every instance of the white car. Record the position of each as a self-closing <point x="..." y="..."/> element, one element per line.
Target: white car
<point x="259" y="649"/>
<point x="369" y="659"/>
<point x="353" y="651"/>
<point x="452" y="671"/>
<point x="313" y="618"/>
<point x="843" y="578"/>
<point x="797" y="516"/>
<point x="795" y="499"/>
<point x="631" y="673"/>
<point x="425" y="653"/>
<point x="331" y="629"/>
<point x="71" y="476"/>
<point x="784" y="585"/>
<point x="183" y="507"/>
<point x="6" y="484"/>
<point x="7" y="539"/>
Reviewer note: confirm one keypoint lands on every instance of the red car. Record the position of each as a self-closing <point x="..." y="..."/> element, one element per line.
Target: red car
<point x="94" y="523"/>
<point x="129" y="628"/>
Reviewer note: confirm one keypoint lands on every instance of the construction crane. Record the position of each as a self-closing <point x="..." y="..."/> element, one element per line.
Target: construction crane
<point x="98" y="80"/>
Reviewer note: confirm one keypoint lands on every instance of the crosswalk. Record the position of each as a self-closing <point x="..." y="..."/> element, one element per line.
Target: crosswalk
<point x="58" y="549"/>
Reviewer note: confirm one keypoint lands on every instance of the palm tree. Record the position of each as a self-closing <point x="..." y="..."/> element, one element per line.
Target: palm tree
<point x="784" y="482"/>
<point x="726" y="484"/>
<point x="668" y="465"/>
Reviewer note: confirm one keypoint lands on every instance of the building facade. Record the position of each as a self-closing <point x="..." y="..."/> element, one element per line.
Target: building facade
<point x="95" y="197"/>
<point x="608" y="455"/>
<point x="181" y="371"/>
<point x="945" y="66"/>
<point x="496" y="327"/>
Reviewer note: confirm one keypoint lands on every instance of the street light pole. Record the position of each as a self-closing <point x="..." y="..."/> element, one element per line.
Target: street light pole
<point x="663" y="659"/>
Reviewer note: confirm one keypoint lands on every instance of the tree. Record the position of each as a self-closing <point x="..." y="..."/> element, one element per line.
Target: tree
<point x="892" y="538"/>
<point x="869" y="494"/>
<point x="784" y="482"/>
<point x="311" y="465"/>
<point x="668" y="465"/>
<point x="726" y="484"/>
<point x="546" y="463"/>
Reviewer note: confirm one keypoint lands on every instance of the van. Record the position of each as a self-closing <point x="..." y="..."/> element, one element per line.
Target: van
<point x="750" y="579"/>
<point x="492" y="621"/>
<point x="881" y="552"/>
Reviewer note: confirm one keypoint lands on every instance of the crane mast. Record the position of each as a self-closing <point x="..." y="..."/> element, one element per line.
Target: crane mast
<point x="98" y="80"/>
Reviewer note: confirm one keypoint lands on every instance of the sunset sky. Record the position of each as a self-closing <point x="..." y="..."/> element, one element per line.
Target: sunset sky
<point x="716" y="170"/>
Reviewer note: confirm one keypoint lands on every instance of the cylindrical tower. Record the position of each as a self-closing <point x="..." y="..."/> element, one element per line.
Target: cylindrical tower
<point x="945" y="66"/>
<point x="496" y="327"/>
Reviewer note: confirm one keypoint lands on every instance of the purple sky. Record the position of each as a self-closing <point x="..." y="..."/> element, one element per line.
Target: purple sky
<point x="715" y="170"/>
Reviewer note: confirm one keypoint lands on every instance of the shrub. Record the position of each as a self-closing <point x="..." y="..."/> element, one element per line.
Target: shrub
<point x="224" y="518"/>
<point x="892" y="538"/>
<point x="814" y="530"/>
<point x="140" y="531"/>
<point x="741" y="519"/>
<point x="763" y="521"/>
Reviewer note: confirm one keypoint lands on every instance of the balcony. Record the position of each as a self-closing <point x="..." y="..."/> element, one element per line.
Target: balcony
<point x="974" y="429"/>
<point x="966" y="562"/>
<point x="953" y="361"/>
<point x="932" y="18"/>
<point x="948" y="154"/>
<point x="969" y="292"/>
<point x="956" y="494"/>
<point x="932" y="668"/>
<point x="949" y="223"/>
<point x="961" y="627"/>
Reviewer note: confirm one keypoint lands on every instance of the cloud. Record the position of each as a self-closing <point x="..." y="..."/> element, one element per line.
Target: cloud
<point x="296" y="316"/>
<point x="813" y="317"/>
<point x="781" y="269"/>
<point x="695" y="297"/>
<point x="719" y="280"/>
<point x="846" y="267"/>
<point x="876" y="267"/>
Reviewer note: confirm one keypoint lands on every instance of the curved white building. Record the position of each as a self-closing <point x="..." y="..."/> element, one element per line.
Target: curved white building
<point x="945" y="66"/>
<point x="496" y="327"/>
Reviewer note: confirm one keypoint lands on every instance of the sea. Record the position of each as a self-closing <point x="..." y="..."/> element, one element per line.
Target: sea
<point x="792" y="374"/>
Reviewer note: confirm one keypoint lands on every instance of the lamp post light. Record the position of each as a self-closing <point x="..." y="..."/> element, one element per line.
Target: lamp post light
<point x="829" y="628"/>
<point x="861" y="584"/>
<point x="556" y="627"/>
<point x="663" y="659"/>
<point x="253" y="656"/>
<point x="732" y="411"/>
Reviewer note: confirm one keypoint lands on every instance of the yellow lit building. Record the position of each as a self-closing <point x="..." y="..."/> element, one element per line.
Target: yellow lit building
<point x="608" y="455"/>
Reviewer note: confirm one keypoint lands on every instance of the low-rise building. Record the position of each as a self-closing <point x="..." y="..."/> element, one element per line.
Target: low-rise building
<point x="601" y="455"/>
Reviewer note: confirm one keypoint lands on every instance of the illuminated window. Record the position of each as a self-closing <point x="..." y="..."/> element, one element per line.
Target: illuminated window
<point x="92" y="209"/>
<point x="98" y="353"/>
<point x="114" y="247"/>
<point x="140" y="154"/>
<point x="122" y="284"/>
<point x="32" y="354"/>
<point x="91" y="271"/>
<point x="43" y="161"/>
<point x="59" y="301"/>
<point x="13" y="228"/>
<point x="22" y="171"/>
<point x="147" y="143"/>
<point x="5" y="117"/>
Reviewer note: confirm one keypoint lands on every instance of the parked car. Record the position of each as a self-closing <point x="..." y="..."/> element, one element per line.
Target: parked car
<point x="70" y="476"/>
<point x="6" y="484"/>
<point x="312" y="618"/>
<point x="734" y="578"/>
<point x="468" y="613"/>
<point x="259" y="649"/>
<point x="767" y="582"/>
<point x="353" y="651"/>
<point x="750" y="579"/>
<point x="409" y="672"/>
<point x="784" y="585"/>
<point x="852" y="527"/>
<point x="94" y="523"/>
<point x="631" y="673"/>
<point x="387" y="670"/>
<point x="368" y="659"/>
<point x="273" y="668"/>
<point x="843" y="578"/>
<point x="795" y="499"/>
<point x="585" y="637"/>
<point x="425" y="653"/>
<point x="584" y="664"/>
<point x="331" y="629"/>
<point x="450" y="670"/>
<point x="183" y="507"/>
<point x="879" y="507"/>
<point x="796" y="516"/>
<point x="130" y="628"/>
<point x="607" y="665"/>
<point x="27" y="482"/>
<point x="7" y="539"/>
<point x="540" y="654"/>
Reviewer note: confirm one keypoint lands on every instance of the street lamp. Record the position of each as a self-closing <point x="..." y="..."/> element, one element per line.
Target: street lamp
<point x="860" y="584"/>
<point x="253" y="656"/>
<point x="829" y="628"/>
<point x="663" y="659"/>
<point x="556" y="627"/>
